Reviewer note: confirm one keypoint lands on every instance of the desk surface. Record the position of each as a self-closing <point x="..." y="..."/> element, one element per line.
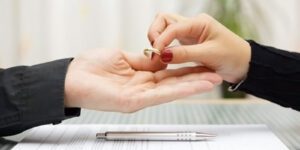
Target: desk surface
<point x="285" y="123"/>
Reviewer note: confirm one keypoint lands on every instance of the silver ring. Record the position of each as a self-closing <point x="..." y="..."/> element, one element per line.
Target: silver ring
<point x="148" y="51"/>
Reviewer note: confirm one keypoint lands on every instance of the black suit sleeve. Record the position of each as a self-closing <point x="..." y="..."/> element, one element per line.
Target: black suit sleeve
<point x="274" y="75"/>
<point x="32" y="96"/>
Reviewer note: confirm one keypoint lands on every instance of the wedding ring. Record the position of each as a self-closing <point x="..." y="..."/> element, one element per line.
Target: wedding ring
<point x="148" y="51"/>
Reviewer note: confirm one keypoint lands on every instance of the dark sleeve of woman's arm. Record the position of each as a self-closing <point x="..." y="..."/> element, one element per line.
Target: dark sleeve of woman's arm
<point x="274" y="75"/>
<point x="32" y="96"/>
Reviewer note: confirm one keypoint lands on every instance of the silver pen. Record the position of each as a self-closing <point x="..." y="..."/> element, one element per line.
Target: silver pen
<point x="155" y="136"/>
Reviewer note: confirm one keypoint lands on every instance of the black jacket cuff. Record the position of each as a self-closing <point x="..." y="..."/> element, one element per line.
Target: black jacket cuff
<point x="36" y="94"/>
<point x="274" y="75"/>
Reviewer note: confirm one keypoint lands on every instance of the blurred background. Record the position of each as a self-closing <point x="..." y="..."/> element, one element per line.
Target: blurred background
<point x="36" y="31"/>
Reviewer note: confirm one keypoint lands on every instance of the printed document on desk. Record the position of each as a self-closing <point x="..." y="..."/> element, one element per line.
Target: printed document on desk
<point x="83" y="137"/>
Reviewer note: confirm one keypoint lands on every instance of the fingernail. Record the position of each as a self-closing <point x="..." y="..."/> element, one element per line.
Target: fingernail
<point x="166" y="56"/>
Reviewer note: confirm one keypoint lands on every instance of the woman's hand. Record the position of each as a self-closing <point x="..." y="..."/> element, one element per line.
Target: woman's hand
<point x="204" y="41"/>
<point x="111" y="80"/>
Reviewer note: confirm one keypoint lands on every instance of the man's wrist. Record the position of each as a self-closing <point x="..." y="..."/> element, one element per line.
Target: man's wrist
<point x="70" y="96"/>
<point x="67" y="102"/>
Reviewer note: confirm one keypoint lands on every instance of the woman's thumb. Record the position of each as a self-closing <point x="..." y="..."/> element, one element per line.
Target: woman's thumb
<point x="183" y="53"/>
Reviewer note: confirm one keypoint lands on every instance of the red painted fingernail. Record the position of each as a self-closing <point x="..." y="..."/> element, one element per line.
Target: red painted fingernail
<point x="166" y="56"/>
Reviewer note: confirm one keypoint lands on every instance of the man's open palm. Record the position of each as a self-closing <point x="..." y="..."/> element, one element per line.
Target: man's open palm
<point x="112" y="80"/>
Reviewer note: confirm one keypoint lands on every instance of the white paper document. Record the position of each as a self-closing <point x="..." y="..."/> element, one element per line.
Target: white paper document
<point x="83" y="137"/>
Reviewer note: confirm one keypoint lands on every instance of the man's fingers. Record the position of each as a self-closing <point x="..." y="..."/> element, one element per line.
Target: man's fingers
<point x="167" y="93"/>
<point x="162" y="74"/>
<point x="172" y="88"/>
<point x="207" y="76"/>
